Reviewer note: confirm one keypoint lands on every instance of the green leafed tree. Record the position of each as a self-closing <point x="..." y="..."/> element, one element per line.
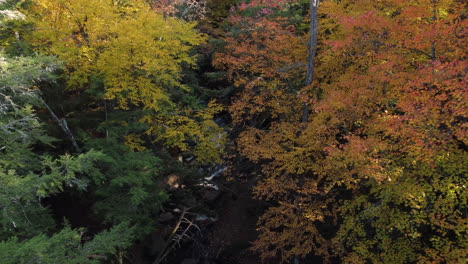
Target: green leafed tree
<point x="27" y="177"/>
<point x="66" y="246"/>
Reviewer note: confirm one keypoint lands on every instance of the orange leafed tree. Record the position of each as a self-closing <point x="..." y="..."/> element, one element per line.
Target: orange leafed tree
<point x="265" y="60"/>
<point x="376" y="173"/>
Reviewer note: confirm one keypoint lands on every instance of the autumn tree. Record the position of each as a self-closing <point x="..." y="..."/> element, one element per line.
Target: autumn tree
<point x="264" y="57"/>
<point x="125" y="183"/>
<point x="132" y="58"/>
<point x="385" y="123"/>
<point x="411" y="131"/>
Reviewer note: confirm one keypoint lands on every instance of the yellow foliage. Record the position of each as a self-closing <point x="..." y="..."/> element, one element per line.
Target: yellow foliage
<point x="197" y="127"/>
<point x="138" y="53"/>
<point x="134" y="142"/>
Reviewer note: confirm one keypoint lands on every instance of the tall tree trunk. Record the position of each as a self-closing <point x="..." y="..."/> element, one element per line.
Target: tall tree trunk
<point x="434" y="18"/>
<point x="312" y="50"/>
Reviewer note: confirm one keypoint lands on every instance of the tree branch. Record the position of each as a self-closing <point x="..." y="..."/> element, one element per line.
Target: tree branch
<point x="64" y="125"/>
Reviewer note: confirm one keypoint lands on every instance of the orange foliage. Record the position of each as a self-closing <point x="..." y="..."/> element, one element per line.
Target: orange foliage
<point x="263" y="57"/>
<point x="390" y="90"/>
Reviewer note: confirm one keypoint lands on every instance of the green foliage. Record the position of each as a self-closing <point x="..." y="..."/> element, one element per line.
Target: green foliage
<point x="128" y="187"/>
<point x="26" y="177"/>
<point x="66" y="247"/>
<point x="13" y="26"/>
<point x="18" y="77"/>
<point x="20" y="197"/>
<point x="219" y="10"/>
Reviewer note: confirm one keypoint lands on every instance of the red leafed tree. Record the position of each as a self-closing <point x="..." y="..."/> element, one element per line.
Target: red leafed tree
<point x="265" y="60"/>
<point x="377" y="171"/>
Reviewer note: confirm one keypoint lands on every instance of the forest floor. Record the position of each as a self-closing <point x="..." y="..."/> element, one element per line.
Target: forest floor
<point x="232" y="235"/>
<point x="227" y="240"/>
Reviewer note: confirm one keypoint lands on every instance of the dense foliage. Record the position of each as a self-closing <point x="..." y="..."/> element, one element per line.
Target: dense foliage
<point x="114" y="104"/>
<point x="377" y="172"/>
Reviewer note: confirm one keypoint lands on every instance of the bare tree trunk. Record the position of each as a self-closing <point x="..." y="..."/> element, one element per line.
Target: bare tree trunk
<point x="64" y="125"/>
<point x="312" y="49"/>
<point x="434" y="18"/>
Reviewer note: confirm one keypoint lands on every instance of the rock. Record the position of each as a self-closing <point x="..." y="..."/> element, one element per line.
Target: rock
<point x="203" y="218"/>
<point x="189" y="261"/>
<point x="166" y="217"/>
<point x="211" y="194"/>
<point x="216" y="173"/>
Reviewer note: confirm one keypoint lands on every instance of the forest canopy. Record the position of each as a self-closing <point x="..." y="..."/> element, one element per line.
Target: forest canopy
<point x="232" y="131"/>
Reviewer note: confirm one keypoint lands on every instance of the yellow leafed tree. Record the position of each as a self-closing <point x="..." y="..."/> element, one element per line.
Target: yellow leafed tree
<point x="137" y="53"/>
